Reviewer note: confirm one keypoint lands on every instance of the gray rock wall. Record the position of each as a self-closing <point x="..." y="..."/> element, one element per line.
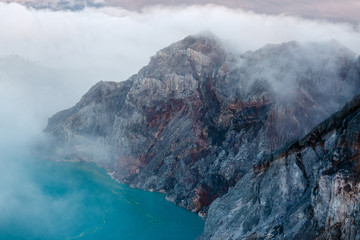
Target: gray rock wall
<point x="195" y="121"/>
<point x="309" y="190"/>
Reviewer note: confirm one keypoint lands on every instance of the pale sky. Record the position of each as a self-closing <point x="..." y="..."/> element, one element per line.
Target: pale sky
<point x="334" y="10"/>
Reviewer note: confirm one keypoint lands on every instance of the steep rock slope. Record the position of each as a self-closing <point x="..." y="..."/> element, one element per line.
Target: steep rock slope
<point x="308" y="190"/>
<point x="196" y="119"/>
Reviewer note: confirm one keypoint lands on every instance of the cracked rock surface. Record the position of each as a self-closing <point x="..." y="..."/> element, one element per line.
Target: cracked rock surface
<point x="309" y="190"/>
<point x="199" y="120"/>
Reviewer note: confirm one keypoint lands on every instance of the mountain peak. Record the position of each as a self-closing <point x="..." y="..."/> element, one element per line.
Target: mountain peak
<point x="197" y="117"/>
<point x="205" y="43"/>
<point x="192" y="55"/>
<point x="207" y="39"/>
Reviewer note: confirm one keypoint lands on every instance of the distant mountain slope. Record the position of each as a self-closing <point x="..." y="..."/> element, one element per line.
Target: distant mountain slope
<point x="59" y="5"/>
<point x="198" y="118"/>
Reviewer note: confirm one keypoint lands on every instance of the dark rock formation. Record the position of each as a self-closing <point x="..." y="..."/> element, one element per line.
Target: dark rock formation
<point x="308" y="190"/>
<point x="198" y="118"/>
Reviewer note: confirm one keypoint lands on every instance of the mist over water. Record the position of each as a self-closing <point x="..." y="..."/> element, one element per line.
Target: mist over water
<point x="61" y="200"/>
<point x="42" y="199"/>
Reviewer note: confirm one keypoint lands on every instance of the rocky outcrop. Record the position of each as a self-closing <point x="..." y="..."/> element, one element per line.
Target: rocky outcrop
<point x="308" y="190"/>
<point x="198" y="118"/>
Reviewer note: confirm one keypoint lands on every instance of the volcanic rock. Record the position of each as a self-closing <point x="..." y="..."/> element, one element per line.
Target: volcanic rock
<point x="308" y="190"/>
<point x="199" y="118"/>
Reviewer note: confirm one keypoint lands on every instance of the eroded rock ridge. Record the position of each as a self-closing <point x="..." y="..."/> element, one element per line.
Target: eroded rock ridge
<point x="200" y="119"/>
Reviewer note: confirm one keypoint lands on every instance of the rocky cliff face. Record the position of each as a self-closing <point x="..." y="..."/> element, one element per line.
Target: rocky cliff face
<point x="198" y="118"/>
<point x="308" y="190"/>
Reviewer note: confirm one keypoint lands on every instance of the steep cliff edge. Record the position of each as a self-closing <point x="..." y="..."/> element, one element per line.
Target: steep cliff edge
<point x="308" y="190"/>
<point x="197" y="119"/>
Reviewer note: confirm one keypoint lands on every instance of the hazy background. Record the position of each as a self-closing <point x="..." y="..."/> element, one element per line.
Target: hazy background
<point x="49" y="59"/>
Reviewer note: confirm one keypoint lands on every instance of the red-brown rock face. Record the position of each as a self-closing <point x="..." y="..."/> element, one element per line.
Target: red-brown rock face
<point x="197" y="118"/>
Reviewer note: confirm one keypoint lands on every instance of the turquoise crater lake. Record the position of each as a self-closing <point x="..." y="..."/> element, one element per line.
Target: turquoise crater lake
<point x="63" y="200"/>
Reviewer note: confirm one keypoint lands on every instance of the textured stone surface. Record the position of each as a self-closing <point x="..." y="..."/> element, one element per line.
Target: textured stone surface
<point x="309" y="190"/>
<point x="198" y="118"/>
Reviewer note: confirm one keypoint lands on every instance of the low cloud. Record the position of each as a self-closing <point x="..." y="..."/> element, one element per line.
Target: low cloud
<point x="121" y="41"/>
<point x="70" y="51"/>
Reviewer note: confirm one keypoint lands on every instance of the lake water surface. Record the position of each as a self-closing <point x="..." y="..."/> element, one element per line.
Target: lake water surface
<point x="63" y="200"/>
